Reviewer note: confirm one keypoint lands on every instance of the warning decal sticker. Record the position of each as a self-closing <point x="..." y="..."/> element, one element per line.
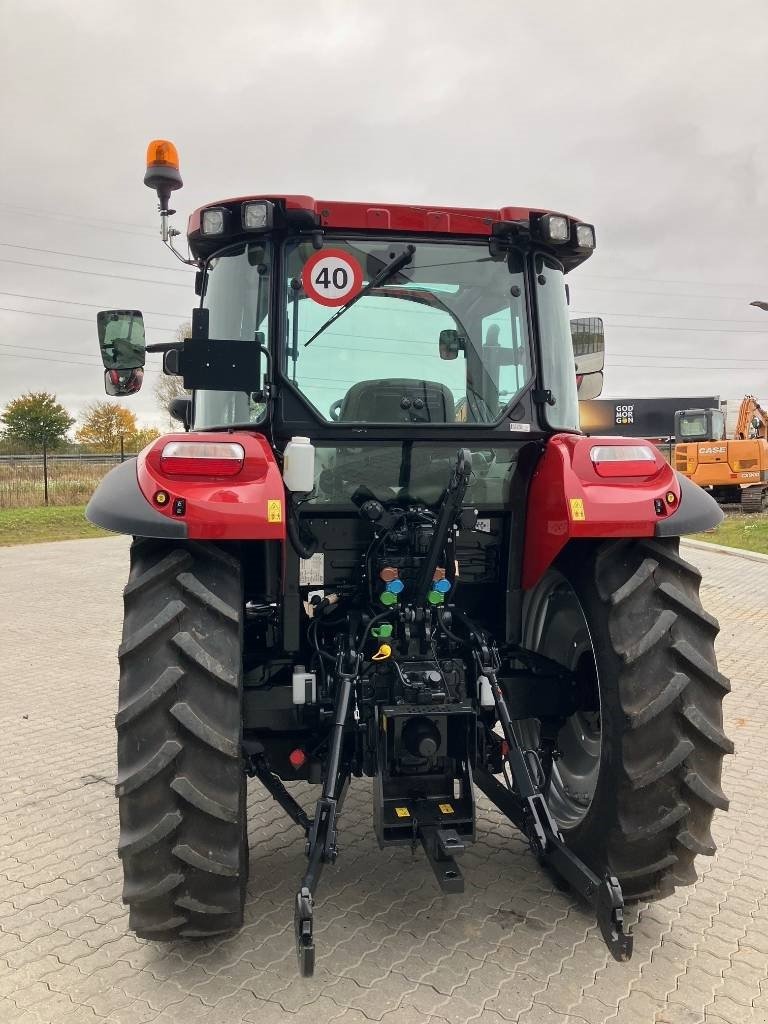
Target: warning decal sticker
<point x="577" y="509"/>
<point x="274" y="511"/>
<point x="332" y="277"/>
<point x="402" y="812"/>
<point x="445" y="808"/>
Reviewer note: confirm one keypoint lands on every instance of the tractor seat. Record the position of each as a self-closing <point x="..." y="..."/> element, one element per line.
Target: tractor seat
<point x="398" y="400"/>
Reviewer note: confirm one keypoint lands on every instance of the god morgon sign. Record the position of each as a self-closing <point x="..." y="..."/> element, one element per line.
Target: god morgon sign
<point x="332" y="277"/>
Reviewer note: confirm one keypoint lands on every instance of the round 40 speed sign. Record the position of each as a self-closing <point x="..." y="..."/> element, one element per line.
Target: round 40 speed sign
<point x="332" y="277"/>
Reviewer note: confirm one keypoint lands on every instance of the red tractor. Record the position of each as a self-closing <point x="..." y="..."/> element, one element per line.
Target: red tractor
<point x="382" y="547"/>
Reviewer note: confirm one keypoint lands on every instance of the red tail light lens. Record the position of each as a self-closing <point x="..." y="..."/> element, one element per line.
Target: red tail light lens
<point x="202" y="458"/>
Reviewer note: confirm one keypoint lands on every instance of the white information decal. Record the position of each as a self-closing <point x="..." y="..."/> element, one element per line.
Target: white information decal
<point x="332" y="277"/>
<point x="312" y="570"/>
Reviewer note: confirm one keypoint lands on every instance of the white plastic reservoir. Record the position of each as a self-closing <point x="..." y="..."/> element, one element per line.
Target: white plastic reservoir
<point x="299" y="464"/>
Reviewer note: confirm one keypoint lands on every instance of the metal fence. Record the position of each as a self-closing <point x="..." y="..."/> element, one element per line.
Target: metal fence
<point x="52" y="478"/>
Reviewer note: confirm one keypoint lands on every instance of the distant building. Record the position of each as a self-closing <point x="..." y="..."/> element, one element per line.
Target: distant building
<point x="653" y="418"/>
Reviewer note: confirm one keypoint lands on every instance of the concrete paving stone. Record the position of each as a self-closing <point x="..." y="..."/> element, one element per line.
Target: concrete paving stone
<point x="694" y="989"/>
<point x="541" y="1013"/>
<point x="136" y="1012"/>
<point x="730" y="1011"/>
<point x="515" y="993"/>
<point x="677" y="1014"/>
<point x="374" y="1001"/>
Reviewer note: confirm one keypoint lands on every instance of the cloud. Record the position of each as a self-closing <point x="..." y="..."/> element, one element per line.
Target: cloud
<point x="646" y="119"/>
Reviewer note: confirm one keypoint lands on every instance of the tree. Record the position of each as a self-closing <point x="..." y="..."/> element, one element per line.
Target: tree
<point x="104" y="423"/>
<point x="142" y="438"/>
<point x="166" y="389"/>
<point x="169" y="387"/>
<point x="36" y="420"/>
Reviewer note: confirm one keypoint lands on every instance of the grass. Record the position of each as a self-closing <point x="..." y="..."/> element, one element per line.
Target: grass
<point x="748" y="532"/>
<point x="70" y="482"/>
<point x="35" y="525"/>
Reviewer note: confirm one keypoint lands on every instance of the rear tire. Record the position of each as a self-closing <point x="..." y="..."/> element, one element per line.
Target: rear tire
<point x="661" y="742"/>
<point x="180" y="782"/>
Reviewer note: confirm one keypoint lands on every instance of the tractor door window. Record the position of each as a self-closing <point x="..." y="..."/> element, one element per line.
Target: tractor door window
<point x="237" y="297"/>
<point x="558" y="370"/>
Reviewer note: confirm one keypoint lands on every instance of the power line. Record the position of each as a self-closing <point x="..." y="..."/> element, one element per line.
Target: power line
<point x="64" y="316"/>
<point x="100" y="259"/>
<point x="669" y="280"/>
<point x="70" y="362"/>
<point x="125" y="227"/>
<point x="96" y="273"/>
<point x="694" y="330"/>
<point x="94" y="305"/>
<point x="670" y="316"/>
<point x="669" y="295"/>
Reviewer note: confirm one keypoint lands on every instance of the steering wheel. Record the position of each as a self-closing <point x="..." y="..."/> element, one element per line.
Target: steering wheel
<point x="335" y="411"/>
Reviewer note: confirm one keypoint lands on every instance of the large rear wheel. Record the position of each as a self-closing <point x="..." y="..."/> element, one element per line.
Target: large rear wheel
<point x="637" y="779"/>
<point x="180" y="783"/>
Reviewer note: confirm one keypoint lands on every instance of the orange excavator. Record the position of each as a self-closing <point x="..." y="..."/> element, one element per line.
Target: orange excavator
<point x="733" y="469"/>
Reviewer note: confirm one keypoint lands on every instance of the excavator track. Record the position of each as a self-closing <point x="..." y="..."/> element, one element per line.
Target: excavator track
<point x="754" y="499"/>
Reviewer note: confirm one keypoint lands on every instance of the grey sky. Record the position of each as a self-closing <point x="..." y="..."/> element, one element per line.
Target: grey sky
<point x="646" y="118"/>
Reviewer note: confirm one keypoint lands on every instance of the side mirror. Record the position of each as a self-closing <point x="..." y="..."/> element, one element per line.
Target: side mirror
<point x="588" y="338"/>
<point x="121" y="339"/>
<point x="451" y="343"/>
<point x="119" y="383"/>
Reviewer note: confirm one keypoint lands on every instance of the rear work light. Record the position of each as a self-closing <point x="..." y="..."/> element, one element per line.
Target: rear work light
<point x="585" y="236"/>
<point x="555" y="228"/>
<point x="213" y="221"/>
<point x="202" y="458"/>
<point x="257" y="216"/>
<point x="623" y="460"/>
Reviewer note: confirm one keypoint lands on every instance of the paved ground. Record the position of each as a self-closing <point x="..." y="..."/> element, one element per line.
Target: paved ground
<point x="391" y="948"/>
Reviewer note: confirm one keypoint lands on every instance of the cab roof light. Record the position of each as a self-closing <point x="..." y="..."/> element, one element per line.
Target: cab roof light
<point x="585" y="236"/>
<point x="202" y="458"/>
<point x="213" y="221"/>
<point x="257" y="216"/>
<point x="555" y="228"/>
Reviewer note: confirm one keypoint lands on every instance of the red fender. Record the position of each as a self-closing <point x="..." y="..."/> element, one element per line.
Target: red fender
<point x="569" y="498"/>
<point x="249" y="505"/>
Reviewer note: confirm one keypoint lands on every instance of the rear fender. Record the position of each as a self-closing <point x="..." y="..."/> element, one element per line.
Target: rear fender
<point x="568" y="500"/>
<point x="247" y="506"/>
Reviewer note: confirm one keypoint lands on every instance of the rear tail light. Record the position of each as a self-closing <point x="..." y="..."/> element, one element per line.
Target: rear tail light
<point x="202" y="458"/>
<point x="623" y="460"/>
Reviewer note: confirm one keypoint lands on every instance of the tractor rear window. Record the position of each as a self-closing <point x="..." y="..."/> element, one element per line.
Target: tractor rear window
<point x="410" y="473"/>
<point x="435" y="332"/>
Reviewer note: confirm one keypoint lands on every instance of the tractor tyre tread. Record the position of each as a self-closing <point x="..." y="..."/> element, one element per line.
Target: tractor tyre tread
<point x="662" y="718"/>
<point x="180" y="783"/>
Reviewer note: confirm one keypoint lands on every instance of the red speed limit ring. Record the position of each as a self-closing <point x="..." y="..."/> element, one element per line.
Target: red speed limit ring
<point x="332" y="277"/>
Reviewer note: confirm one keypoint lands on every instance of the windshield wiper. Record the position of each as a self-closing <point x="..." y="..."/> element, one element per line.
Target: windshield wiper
<point x="382" y="277"/>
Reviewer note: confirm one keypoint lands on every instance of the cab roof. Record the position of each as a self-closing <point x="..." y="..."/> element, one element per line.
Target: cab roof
<point x="306" y="212"/>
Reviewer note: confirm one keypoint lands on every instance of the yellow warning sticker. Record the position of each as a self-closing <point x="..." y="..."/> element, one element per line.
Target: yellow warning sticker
<point x="577" y="509"/>
<point x="274" y="511"/>
<point x="402" y="812"/>
<point x="445" y="808"/>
